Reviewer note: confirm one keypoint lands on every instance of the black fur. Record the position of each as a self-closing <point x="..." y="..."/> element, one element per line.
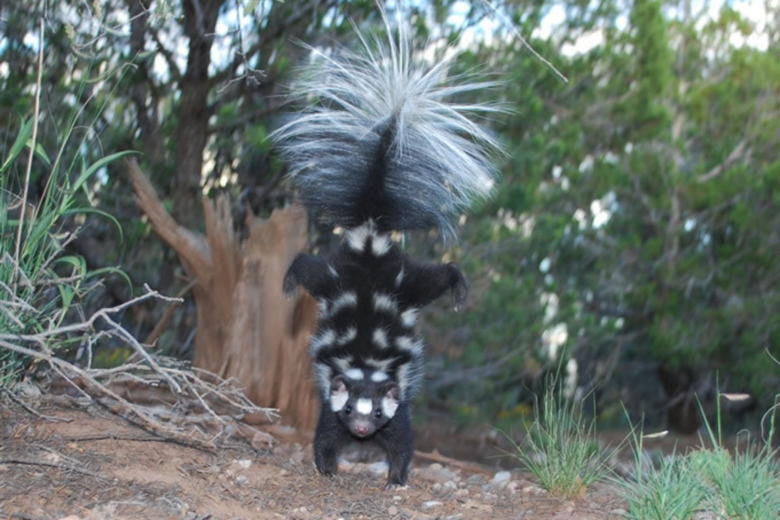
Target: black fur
<point x="347" y="285"/>
<point x="395" y="437"/>
<point x="365" y="275"/>
<point x="382" y="150"/>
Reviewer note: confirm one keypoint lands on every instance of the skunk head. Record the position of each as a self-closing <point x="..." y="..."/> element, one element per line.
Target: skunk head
<point x="363" y="406"/>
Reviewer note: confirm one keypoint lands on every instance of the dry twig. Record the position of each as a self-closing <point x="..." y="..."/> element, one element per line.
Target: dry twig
<point x="199" y="409"/>
<point x="435" y="456"/>
<point x="33" y="411"/>
<point x="65" y="467"/>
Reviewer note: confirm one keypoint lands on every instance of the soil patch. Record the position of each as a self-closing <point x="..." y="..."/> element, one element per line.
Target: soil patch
<point x="98" y="467"/>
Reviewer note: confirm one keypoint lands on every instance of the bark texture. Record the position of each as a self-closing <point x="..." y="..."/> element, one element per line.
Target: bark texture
<point x="247" y="328"/>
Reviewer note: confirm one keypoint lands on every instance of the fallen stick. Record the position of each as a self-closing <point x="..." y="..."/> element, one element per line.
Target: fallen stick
<point x="190" y="407"/>
<point x="64" y="467"/>
<point x="32" y="410"/>
<point x="435" y="456"/>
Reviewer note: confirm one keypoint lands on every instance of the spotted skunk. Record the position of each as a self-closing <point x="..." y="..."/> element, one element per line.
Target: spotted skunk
<point x="381" y="150"/>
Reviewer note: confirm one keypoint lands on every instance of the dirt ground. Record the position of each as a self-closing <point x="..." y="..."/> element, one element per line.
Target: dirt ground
<point x="96" y="466"/>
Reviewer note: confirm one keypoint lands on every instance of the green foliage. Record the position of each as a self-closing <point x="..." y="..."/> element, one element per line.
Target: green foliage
<point x="40" y="286"/>
<point x="560" y="447"/>
<point x="670" y="491"/>
<point x="636" y="214"/>
<point x="742" y="484"/>
<point x="647" y="110"/>
<point x="646" y="187"/>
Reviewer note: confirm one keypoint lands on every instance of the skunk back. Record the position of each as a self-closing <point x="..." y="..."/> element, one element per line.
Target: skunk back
<point x="369" y="296"/>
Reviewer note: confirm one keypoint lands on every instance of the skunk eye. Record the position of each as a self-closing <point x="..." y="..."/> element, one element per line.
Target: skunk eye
<point x="378" y="413"/>
<point x="347" y="409"/>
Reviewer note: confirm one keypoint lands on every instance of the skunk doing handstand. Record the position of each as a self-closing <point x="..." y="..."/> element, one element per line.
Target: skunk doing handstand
<point x="381" y="150"/>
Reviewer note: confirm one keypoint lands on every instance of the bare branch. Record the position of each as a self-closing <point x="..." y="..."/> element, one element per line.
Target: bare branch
<point x="735" y="155"/>
<point x="269" y="36"/>
<point x="41" y="337"/>
<point x="168" y="55"/>
<point x="31" y="410"/>
<point x="525" y="43"/>
<point x="202" y="391"/>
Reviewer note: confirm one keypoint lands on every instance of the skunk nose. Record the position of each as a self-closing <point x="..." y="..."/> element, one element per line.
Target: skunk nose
<point x="361" y="430"/>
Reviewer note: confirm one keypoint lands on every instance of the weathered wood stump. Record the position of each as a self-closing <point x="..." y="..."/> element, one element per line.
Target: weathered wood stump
<point x="247" y="328"/>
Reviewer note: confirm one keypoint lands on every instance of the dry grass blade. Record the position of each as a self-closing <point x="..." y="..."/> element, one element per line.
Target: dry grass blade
<point x="28" y="169"/>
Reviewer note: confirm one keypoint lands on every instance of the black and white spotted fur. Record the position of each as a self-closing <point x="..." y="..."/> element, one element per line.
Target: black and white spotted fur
<point x="365" y="410"/>
<point x="369" y="295"/>
<point x="383" y="150"/>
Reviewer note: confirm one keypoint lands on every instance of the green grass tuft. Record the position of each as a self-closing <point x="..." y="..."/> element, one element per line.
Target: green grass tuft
<point x="669" y="491"/>
<point x="560" y="447"/>
<point x="739" y="485"/>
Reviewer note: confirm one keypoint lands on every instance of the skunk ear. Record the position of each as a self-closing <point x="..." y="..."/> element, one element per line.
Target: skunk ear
<point x="339" y="395"/>
<point x="390" y="399"/>
<point x="338" y="383"/>
<point x="313" y="273"/>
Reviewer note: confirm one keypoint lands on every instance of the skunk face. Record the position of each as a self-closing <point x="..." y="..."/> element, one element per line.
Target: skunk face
<point x="363" y="406"/>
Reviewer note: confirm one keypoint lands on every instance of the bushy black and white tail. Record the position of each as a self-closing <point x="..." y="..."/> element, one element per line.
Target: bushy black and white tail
<point x="387" y="140"/>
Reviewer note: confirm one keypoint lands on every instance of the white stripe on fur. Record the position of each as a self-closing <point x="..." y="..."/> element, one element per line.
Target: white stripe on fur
<point x="347" y="336"/>
<point x="409" y="318"/>
<point x="410" y="344"/>
<point x="354" y="373"/>
<point x="324" y="339"/>
<point x="347" y="299"/>
<point x="364" y="406"/>
<point x="380" y="338"/>
<point x="379" y="376"/>
<point x="389" y="406"/>
<point x="385" y="302"/>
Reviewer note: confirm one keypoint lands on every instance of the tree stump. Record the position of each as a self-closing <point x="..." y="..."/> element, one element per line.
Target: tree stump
<point x="247" y="328"/>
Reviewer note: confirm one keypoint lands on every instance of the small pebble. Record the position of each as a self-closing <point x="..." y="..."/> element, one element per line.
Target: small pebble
<point x="437" y="473"/>
<point x="392" y="511"/>
<point x="378" y="468"/>
<point x="296" y="459"/>
<point x="431" y="503"/>
<point x="502" y="477"/>
<point x="262" y="441"/>
<point x="474" y="480"/>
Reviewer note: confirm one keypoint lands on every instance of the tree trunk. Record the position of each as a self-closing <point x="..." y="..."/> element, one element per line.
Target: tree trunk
<point x="200" y="20"/>
<point x="247" y="328"/>
<point x="682" y="409"/>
